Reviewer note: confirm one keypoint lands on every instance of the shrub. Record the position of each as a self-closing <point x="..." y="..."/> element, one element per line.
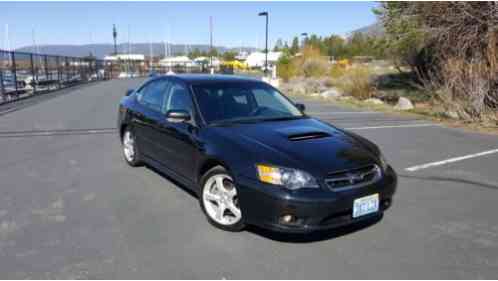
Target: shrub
<point x="314" y="67"/>
<point x="286" y="68"/>
<point x="357" y="82"/>
<point x="337" y="71"/>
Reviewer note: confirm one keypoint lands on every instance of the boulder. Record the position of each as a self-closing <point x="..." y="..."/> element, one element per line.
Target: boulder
<point x="331" y="93"/>
<point x="346" y="98"/>
<point x="404" y="104"/>
<point x="452" y="114"/>
<point x="374" y="101"/>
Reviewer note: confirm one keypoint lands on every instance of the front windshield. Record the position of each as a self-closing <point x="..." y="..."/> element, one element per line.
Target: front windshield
<point x="241" y="102"/>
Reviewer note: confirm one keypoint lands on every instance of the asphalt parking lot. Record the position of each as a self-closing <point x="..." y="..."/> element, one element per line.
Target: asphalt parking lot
<point x="71" y="208"/>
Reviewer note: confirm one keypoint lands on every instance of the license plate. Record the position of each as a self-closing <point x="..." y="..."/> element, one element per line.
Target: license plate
<point x="365" y="205"/>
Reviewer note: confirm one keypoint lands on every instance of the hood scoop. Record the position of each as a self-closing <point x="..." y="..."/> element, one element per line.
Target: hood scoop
<point x="308" y="136"/>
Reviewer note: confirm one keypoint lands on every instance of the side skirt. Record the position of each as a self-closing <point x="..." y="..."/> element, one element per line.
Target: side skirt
<point x="185" y="182"/>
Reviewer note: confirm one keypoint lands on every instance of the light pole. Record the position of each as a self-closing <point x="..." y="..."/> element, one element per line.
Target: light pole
<point x="114" y="36"/>
<point x="305" y="35"/>
<point x="266" y="44"/>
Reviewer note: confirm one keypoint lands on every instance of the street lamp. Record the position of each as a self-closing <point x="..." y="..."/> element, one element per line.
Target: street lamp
<point x="266" y="44"/>
<point x="305" y="35"/>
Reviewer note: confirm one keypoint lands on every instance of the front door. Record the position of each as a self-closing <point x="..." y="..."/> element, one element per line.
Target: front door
<point x="176" y="140"/>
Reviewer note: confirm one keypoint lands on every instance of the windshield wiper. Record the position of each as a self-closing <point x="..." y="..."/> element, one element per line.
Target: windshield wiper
<point x="283" y="118"/>
<point x="254" y="120"/>
<point x="235" y="121"/>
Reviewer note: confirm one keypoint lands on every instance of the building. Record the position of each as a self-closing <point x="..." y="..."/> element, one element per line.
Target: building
<point x="176" y="61"/>
<point x="135" y="58"/>
<point x="257" y="59"/>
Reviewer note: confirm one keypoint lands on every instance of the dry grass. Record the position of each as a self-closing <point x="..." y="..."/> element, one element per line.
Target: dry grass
<point x="357" y="82"/>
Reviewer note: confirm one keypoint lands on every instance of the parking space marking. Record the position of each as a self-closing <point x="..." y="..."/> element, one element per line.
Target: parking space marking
<point x="343" y="112"/>
<point x="451" y="160"/>
<point x="393" y="126"/>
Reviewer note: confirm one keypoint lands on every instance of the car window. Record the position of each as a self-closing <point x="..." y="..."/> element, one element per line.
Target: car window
<point x="179" y="98"/>
<point x="154" y="95"/>
<point x="268" y="99"/>
<point x="242" y="101"/>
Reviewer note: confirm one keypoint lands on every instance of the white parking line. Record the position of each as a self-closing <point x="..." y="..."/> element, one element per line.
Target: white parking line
<point x="451" y="160"/>
<point x="343" y="112"/>
<point x="393" y="126"/>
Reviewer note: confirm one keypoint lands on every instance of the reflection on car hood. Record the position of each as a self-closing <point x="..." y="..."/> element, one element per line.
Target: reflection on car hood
<point x="303" y="143"/>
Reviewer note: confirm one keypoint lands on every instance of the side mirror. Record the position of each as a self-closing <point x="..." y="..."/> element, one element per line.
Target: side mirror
<point x="177" y="116"/>
<point x="129" y="92"/>
<point x="301" y="107"/>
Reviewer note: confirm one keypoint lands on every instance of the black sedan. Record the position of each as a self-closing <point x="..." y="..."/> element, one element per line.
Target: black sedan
<point x="251" y="155"/>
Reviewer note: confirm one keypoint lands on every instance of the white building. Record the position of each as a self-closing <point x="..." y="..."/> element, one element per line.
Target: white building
<point x="126" y="57"/>
<point x="176" y="61"/>
<point x="257" y="59"/>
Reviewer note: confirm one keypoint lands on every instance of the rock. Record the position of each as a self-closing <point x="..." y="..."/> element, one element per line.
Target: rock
<point x="452" y="114"/>
<point x="345" y="98"/>
<point x="331" y="93"/>
<point x="374" y="101"/>
<point x="404" y="104"/>
<point x="312" y="85"/>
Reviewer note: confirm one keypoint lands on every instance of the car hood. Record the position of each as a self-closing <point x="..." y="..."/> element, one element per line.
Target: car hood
<point x="306" y="143"/>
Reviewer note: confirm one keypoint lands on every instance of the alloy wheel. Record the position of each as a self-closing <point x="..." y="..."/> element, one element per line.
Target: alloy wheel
<point x="129" y="146"/>
<point x="221" y="201"/>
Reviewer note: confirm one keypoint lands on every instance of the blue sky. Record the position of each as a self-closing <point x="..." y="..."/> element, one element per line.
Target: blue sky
<point x="234" y="23"/>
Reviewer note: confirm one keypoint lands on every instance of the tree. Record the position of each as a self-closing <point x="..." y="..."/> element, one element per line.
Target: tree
<point x="278" y="45"/>
<point x="335" y="46"/>
<point x="212" y="52"/>
<point x="229" y="55"/>
<point x="195" y="54"/>
<point x="404" y="38"/>
<point x="294" y="49"/>
<point x="451" y="45"/>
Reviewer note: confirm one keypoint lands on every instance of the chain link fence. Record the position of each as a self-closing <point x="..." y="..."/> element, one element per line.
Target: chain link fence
<point x="26" y="74"/>
<point x="23" y="75"/>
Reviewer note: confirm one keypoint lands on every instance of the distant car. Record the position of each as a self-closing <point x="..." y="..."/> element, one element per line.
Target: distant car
<point x="252" y="156"/>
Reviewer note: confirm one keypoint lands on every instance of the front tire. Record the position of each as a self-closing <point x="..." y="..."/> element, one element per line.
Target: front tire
<point x="130" y="150"/>
<point x="219" y="200"/>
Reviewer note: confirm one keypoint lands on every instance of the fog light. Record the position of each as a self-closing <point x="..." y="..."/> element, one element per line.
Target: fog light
<point x="288" y="218"/>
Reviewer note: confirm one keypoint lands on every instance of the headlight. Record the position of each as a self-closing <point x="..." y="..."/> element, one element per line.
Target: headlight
<point x="289" y="178"/>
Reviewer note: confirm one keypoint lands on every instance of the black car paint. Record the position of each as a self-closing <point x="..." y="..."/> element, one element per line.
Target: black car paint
<point x="184" y="150"/>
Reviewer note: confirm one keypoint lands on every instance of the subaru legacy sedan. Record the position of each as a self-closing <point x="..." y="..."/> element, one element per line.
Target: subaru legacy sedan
<point x="252" y="156"/>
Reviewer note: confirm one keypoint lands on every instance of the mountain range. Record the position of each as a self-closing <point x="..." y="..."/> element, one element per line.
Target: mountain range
<point x="102" y="50"/>
<point x="158" y="49"/>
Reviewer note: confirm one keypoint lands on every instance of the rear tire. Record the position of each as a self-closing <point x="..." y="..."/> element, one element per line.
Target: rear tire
<point x="130" y="150"/>
<point x="219" y="200"/>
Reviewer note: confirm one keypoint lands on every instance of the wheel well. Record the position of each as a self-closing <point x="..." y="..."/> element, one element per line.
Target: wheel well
<point x="121" y="130"/>
<point x="208" y="165"/>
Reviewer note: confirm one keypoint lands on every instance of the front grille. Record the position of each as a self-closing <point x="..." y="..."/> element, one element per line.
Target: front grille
<point x="353" y="178"/>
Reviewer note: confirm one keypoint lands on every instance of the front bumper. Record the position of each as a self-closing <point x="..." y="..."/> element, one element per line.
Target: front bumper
<point x="314" y="209"/>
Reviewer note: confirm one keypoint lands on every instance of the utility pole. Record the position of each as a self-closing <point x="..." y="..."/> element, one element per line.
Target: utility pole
<point x="211" y="44"/>
<point x="115" y="36"/>
<point x="7" y="41"/>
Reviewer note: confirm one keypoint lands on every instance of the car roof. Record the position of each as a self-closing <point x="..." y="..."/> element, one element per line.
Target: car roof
<point x="212" y="78"/>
